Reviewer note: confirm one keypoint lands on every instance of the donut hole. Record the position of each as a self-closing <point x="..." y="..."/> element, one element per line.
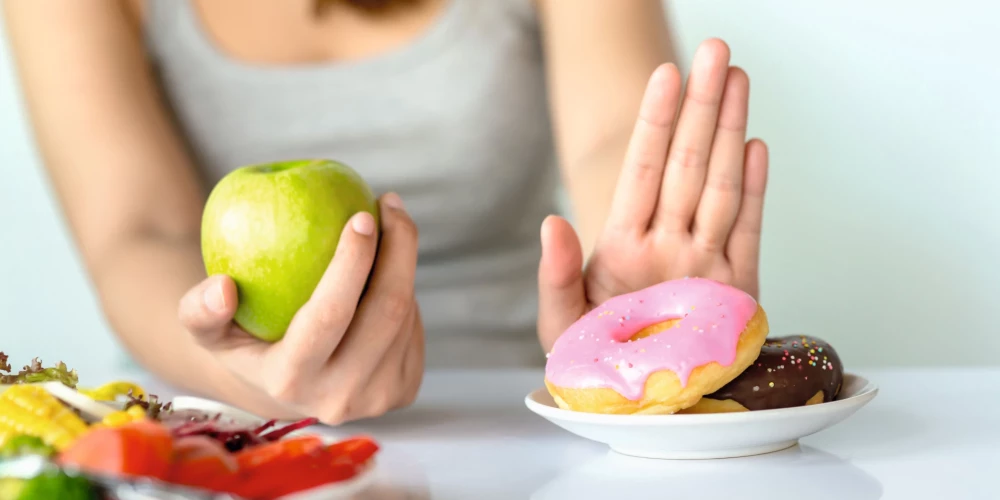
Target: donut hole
<point x="654" y="329"/>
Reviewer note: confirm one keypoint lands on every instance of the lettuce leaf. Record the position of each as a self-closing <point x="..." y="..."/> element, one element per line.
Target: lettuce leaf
<point x="154" y="408"/>
<point x="35" y="373"/>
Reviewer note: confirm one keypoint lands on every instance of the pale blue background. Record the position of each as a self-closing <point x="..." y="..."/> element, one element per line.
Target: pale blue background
<point x="882" y="229"/>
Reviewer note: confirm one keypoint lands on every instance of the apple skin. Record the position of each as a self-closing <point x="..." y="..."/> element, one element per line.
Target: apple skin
<point x="274" y="228"/>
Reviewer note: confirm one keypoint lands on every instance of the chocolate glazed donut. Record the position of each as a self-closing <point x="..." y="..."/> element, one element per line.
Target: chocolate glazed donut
<point x="790" y="371"/>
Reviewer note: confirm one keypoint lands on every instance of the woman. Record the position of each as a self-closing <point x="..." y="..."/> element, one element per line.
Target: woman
<point x="468" y="110"/>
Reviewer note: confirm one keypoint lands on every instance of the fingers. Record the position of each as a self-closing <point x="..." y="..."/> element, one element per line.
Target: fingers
<point x="389" y="300"/>
<point x="318" y="327"/>
<point x="387" y="386"/>
<point x="687" y="159"/>
<point x="207" y="309"/>
<point x="642" y="172"/>
<point x="562" y="297"/>
<point x="743" y="249"/>
<point x="413" y="364"/>
<point x="720" y="199"/>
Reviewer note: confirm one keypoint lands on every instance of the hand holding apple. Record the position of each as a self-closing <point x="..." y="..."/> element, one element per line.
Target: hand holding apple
<point x="355" y="346"/>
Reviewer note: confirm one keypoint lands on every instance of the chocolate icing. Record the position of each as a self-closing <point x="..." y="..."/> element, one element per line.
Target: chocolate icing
<point x="788" y="371"/>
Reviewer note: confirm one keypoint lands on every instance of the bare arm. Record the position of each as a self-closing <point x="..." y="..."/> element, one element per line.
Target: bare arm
<point x="127" y="188"/>
<point x="600" y="55"/>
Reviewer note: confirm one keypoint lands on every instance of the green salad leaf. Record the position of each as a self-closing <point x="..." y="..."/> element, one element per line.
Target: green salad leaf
<point x="35" y="373"/>
<point x="54" y="484"/>
<point x="10" y="488"/>
<point x="26" y="445"/>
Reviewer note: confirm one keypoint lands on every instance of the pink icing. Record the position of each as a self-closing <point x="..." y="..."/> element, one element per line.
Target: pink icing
<point x="596" y="351"/>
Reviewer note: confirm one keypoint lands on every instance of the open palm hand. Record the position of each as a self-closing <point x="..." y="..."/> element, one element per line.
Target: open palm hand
<point x="689" y="199"/>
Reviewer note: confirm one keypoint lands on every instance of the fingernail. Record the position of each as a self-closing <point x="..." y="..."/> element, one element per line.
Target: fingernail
<point x="660" y="73"/>
<point x="363" y="223"/>
<point x="543" y="234"/>
<point x="393" y="200"/>
<point x="214" y="298"/>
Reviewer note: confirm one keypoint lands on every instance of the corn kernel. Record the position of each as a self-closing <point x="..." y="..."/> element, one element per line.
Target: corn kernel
<point x="111" y="391"/>
<point x="33" y="411"/>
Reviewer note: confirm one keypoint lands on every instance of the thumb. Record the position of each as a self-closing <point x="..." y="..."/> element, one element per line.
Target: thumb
<point x="207" y="309"/>
<point x="562" y="298"/>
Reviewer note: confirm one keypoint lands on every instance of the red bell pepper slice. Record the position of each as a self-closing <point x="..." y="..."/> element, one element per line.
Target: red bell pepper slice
<point x="299" y="464"/>
<point x="270" y="467"/>
<point x="142" y="448"/>
<point x="264" y="454"/>
<point x="319" y="475"/>
<point x="356" y="450"/>
<point x="203" y="462"/>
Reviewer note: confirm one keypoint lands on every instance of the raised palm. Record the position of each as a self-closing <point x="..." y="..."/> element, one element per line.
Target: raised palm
<point x="689" y="200"/>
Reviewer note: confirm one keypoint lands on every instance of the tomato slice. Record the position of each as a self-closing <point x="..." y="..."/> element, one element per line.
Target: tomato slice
<point x="278" y="474"/>
<point x="319" y="474"/>
<point x="203" y="462"/>
<point x="341" y="461"/>
<point x="142" y="448"/>
<point x="158" y="443"/>
<point x="356" y="450"/>
<point x="296" y="464"/>
<point x="262" y="455"/>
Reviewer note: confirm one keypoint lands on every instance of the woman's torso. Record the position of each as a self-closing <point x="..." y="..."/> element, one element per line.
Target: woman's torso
<point x="450" y="111"/>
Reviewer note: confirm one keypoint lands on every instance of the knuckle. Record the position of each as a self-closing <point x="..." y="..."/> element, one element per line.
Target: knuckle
<point x="646" y="168"/>
<point x="379" y="405"/>
<point x="409" y="397"/>
<point x="189" y="311"/>
<point x="733" y="125"/>
<point x="407" y="229"/>
<point x="285" y="387"/>
<point x="328" y="316"/>
<point x="333" y="416"/>
<point x="747" y="224"/>
<point x="709" y="242"/>
<point x="726" y="184"/>
<point x="337" y="410"/>
<point x="672" y="219"/>
<point x="655" y="119"/>
<point x="413" y="381"/>
<point x="702" y="97"/>
<point x="395" y="304"/>
<point x="346" y="402"/>
<point x="686" y="158"/>
<point x="186" y="316"/>
<point x="748" y="227"/>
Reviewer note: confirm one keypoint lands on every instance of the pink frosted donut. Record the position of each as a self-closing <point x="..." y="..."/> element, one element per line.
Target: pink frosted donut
<point x="657" y="350"/>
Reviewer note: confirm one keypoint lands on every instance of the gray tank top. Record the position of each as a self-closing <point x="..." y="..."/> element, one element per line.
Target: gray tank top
<point x="456" y="122"/>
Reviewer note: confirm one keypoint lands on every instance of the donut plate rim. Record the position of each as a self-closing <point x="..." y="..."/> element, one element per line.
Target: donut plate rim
<point x="540" y="402"/>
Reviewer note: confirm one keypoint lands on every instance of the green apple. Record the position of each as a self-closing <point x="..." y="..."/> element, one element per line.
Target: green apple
<point x="274" y="228"/>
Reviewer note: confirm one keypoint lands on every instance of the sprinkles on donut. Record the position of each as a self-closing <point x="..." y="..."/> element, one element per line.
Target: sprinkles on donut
<point x="795" y="370"/>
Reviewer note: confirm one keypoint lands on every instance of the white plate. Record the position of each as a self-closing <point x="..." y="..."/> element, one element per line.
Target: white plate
<point x="700" y="436"/>
<point x="212" y="407"/>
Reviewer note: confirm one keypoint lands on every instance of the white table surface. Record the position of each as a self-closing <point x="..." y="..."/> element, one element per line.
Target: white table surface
<point x="930" y="433"/>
